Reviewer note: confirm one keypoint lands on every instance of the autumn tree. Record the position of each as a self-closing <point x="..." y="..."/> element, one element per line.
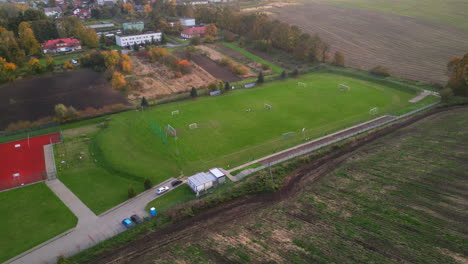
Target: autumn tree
<point x="118" y="80"/>
<point x="156" y="54"/>
<point x="34" y="66"/>
<point x="50" y="63"/>
<point x="457" y="69"/>
<point x="68" y="66"/>
<point x="147" y="9"/>
<point x="128" y="8"/>
<point x="9" y="48"/>
<point x="339" y="59"/>
<point x="211" y="30"/>
<point x="126" y="63"/>
<point x="60" y="111"/>
<point x="111" y="59"/>
<point x="185" y="66"/>
<point x="212" y="86"/>
<point x="7" y="70"/>
<point x="27" y="39"/>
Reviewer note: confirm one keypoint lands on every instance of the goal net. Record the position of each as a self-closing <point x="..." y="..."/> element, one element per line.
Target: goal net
<point x="301" y="84"/>
<point x="343" y="88"/>
<point x="374" y="111"/>
<point x="269" y="107"/>
<point x="193" y="126"/>
<point x="171" y="130"/>
<point x="176" y="112"/>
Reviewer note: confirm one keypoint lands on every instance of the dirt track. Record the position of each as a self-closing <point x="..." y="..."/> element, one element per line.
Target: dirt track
<point x="411" y="48"/>
<point x="136" y="251"/>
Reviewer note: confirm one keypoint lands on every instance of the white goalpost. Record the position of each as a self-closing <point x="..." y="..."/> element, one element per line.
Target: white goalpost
<point x="268" y="106"/>
<point x="343" y="88"/>
<point x="176" y="112"/>
<point x="193" y="126"/>
<point x="301" y="84"/>
<point x="374" y="111"/>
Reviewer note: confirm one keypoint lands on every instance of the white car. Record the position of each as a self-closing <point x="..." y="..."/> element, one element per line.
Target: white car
<point x="162" y="190"/>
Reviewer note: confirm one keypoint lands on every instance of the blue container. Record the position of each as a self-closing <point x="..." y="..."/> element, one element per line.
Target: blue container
<point x="153" y="211"/>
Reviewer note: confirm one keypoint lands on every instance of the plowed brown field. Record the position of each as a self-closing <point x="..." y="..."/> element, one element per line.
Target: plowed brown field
<point x="411" y="48"/>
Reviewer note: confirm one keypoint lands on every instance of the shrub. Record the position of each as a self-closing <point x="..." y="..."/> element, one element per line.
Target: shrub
<point x="225" y="61"/>
<point x="446" y="94"/>
<point x="241" y="70"/>
<point x="193" y="92"/>
<point x="209" y="39"/>
<point x="195" y="41"/>
<point x="131" y="191"/>
<point x="148" y="184"/>
<point x="339" y="59"/>
<point x="229" y="36"/>
<point x="283" y="74"/>
<point x="260" y="78"/>
<point x="380" y="70"/>
<point x="265" y="67"/>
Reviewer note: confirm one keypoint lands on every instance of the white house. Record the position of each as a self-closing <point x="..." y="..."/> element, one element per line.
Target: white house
<point x="187" y="22"/>
<point x="130" y="40"/>
<point x="53" y="12"/>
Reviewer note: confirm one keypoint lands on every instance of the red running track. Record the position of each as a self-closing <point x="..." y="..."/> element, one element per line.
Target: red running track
<point x="25" y="159"/>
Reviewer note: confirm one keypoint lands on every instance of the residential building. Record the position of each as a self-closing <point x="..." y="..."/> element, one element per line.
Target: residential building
<point x="82" y="13"/>
<point x="53" y="12"/>
<point x="137" y="26"/>
<point x="193" y="32"/>
<point x="187" y="22"/>
<point x="130" y="40"/>
<point x="61" y="45"/>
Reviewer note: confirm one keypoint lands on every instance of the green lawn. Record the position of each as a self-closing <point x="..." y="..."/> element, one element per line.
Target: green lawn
<point x="128" y="151"/>
<point x="89" y="175"/>
<point x="449" y="12"/>
<point x="31" y="215"/>
<point x="179" y="195"/>
<point x="235" y="47"/>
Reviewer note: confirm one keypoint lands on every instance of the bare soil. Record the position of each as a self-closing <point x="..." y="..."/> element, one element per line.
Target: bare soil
<point x="411" y="48"/>
<point x="282" y="226"/>
<point x="32" y="99"/>
<point x="154" y="80"/>
<point x="215" y="69"/>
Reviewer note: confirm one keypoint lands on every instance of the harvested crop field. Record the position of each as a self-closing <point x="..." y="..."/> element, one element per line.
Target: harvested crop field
<point x="218" y="71"/>
<point x="411" y="48"/>
<point x="154" y="80"/>
<point x="32" y="99"/>
<point x="396" y="195"/>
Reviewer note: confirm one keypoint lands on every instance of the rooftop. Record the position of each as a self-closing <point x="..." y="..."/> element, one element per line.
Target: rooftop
<point x="201" y="178"/>
<point x="217" y="172"/>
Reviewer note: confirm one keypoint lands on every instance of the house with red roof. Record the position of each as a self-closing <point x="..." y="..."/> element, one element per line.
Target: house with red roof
<point x="82" y="13"/>
<point x="193" y="32"/>
<point x="61" y="45"/>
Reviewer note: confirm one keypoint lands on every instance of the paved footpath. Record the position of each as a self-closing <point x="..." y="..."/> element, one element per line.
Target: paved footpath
<point x="91" y="229"/>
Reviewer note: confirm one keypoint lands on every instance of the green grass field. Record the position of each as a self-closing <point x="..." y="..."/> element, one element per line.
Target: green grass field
<point x="254" y="57"/>
<point x="128" y="151"/>
<point x="449" y="12"/>
<point x="31" y="215"/>
<point x="179" y="195"/>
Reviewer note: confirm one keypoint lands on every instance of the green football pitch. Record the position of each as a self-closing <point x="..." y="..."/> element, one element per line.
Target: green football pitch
<point x="232" y="129"/>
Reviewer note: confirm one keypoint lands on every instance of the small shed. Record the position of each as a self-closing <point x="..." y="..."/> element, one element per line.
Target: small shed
<point x="201" y="181"/>
<point x="220" y="176"/>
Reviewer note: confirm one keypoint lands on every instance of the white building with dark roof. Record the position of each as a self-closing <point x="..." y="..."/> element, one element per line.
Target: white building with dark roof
<point x="130" y="40"/>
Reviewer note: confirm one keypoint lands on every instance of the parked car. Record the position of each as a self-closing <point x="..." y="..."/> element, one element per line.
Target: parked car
<point x="175" y="183"/>
<point x="136" y="219"/>
<point x="127" y="223"/>
<point x="162" y="190"/>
